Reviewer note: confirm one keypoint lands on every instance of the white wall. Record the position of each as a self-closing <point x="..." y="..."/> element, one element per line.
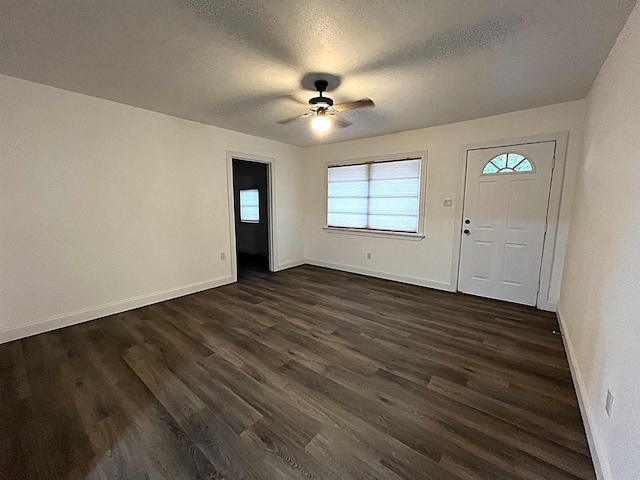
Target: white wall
<point x="429" y="262"/>
<point x="600" y="302"/>
<point x="105" y="207"/>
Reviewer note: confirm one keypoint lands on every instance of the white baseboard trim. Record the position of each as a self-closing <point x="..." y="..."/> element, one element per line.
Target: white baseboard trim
<point x="596" y="445"/>
<point x="287" y="265"/>
<point x="84" y="315"/>
<point x="547" y="306"/>
<point x="384" y="275"/>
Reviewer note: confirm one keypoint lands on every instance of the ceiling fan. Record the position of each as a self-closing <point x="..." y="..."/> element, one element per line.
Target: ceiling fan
<point x="322" y="109"/>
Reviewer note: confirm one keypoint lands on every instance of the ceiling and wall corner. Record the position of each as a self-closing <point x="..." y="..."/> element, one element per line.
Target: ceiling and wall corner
<point x="233" y="64"/>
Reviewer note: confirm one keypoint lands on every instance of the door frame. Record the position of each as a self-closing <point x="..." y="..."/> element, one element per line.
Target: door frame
<point x="561" y="139"/>
<point x="271" y="198"/>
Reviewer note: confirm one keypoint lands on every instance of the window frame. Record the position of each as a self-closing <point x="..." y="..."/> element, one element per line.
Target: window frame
<point x="501" y="172"/>
<point x="422" y="199"/>
<point x="240" y="202"/>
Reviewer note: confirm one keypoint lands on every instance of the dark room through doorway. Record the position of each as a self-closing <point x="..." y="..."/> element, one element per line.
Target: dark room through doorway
<point x="251" y="200"/>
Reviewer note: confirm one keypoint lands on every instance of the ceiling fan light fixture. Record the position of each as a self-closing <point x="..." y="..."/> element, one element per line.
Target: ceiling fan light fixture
<point x="321" y="123"/>
<point x="321" y="108"/>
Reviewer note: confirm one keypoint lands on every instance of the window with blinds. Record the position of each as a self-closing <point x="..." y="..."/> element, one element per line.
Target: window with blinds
<point x="250" y="206"/>
<point x="381" y="196"/>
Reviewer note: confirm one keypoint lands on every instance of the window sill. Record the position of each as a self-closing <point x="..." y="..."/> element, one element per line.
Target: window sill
<point x="412" y="237"/>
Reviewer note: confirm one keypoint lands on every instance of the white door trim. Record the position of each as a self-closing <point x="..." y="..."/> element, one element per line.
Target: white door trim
<point x="553" y="211"/>
<point x="271" y="195"/>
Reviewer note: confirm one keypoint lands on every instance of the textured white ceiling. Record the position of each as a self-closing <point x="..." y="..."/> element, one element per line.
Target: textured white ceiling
<point x="232" y="63"/>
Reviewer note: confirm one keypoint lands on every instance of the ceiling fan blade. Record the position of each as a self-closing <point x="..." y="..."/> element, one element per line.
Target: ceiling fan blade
<point x="341" y="122"/>
<point x="362" y="103"/>
<point x="293" y="119"/>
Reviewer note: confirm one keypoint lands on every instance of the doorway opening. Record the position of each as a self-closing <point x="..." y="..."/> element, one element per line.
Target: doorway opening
<point x="251" y="195"/>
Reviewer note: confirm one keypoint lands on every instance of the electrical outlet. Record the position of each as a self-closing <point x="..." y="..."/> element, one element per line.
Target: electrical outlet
<point x="368" y="255"/>
<point x="609" y="403"/>
<point x="223" y="256"/>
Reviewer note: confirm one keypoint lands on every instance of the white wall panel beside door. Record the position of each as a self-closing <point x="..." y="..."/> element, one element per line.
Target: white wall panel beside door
<point x="504" y="221"/>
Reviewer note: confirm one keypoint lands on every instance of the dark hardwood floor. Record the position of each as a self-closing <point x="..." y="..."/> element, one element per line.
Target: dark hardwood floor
<point x="308" y="373"/>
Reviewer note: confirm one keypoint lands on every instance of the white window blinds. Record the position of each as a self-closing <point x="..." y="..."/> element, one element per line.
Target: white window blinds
<point x="250" y="206"/>
<point x="375" y="196"/>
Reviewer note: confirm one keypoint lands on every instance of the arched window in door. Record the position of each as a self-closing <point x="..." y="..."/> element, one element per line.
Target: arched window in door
<point x="508" y="163"/>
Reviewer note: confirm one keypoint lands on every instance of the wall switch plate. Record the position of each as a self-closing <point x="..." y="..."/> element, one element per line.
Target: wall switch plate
<point x="368" y="255"/>
<point x="447" y="202"/>
<point x="223" y="256"/>
<point x="609" y="403"/>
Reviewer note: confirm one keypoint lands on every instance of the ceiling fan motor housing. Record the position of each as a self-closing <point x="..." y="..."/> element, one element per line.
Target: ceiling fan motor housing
<point x="321" y="101"/>
<point x="321" y="86"/>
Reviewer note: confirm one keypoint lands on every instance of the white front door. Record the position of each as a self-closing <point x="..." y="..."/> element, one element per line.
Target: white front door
<point x="504" y="221"/>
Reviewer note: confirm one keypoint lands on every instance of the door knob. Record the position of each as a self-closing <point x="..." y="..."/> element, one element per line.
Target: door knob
<point x="466" y="231"/>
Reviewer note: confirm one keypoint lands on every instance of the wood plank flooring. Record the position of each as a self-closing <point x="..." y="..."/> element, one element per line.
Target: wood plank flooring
<point x="307" y="373"/>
